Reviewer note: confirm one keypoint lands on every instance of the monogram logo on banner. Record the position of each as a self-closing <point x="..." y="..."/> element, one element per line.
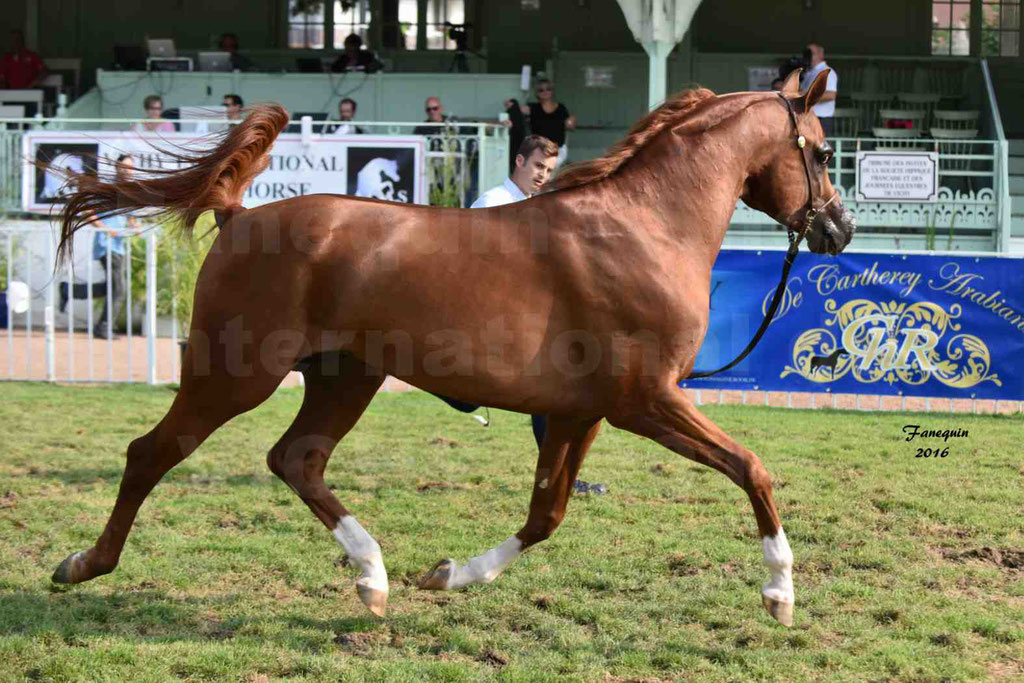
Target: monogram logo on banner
<point x="892" y="342"/>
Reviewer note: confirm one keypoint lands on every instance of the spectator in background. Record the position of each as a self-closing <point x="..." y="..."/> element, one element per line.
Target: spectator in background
<point x="355" y="58"/>
<point x="435" y="114"/>
<point x="21" y="68"/>
<point x="233" y="104"/>
<point x="457" y="141"/>
<point x="826" y="106"/>
<point x="108" y="247"/>
<point x="229" y="43"/>
<point x="347" y="112"/>
<point x="154" y="106"/>
<point x="549" y="117"/>
<point x="777" y="84"/>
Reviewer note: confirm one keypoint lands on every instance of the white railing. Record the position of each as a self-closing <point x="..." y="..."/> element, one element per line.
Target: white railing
<point x="49" y="316"/>
<point x="969" y="201"/>
<point x="476" y="151"/>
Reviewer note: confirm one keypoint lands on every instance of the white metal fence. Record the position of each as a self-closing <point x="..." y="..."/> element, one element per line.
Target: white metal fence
<point x="463" y="158"/>
<point x="51" y="319"/>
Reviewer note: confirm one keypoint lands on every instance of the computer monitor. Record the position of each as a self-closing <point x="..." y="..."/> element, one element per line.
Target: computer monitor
<point x="130" y="57"/>
<point x="161" y="47"/>
<point x="215" y="61"/>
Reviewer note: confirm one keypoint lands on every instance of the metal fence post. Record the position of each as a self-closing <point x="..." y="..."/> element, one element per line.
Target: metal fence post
<point x="48" y="322"/>
<point x="151" y="308"/>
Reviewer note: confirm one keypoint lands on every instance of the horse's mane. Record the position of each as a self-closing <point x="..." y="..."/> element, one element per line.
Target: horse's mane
<point x="672" y="112"/>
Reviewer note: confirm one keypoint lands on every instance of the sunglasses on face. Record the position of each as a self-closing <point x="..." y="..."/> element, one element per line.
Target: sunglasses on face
<point x="544" y="89"/>
<point x="433" y="108"/>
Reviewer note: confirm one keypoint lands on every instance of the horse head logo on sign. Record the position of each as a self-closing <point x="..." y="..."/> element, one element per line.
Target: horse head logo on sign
<point x="382" y="172"/>
<point x="378" y="179"/>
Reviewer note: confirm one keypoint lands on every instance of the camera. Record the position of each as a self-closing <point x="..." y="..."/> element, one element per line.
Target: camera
<point x="795" y="62"/>
<point x="458" y="33"/>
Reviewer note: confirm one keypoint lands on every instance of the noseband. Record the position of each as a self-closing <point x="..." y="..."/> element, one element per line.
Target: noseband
<point x="794" y="245"/>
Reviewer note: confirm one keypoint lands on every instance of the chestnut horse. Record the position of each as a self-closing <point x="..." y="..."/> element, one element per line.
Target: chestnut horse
<point x="588" y="302"/>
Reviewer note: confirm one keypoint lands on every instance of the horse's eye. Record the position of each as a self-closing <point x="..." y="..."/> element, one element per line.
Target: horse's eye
<point x="825" y="156"/>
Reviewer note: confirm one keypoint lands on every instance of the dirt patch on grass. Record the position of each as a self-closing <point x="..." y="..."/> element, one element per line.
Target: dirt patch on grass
<point x="8" y="500"/>
<point x="1006" y="558"/>
<point x="492" y="658"/>
<point x="361" y="643"/>
<point x="684" y="565"/>
<point x="443" y="441"/>
<point x="1005" y="671"/>
<point x="440" y="486"/>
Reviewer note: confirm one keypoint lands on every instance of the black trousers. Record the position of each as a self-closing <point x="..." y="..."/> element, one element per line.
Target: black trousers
<point x="539" y="422"/>
<point x="826" y="125"/>
<point x="114" y="303"/>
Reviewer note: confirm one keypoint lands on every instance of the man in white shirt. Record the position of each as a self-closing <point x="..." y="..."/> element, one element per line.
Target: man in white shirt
<point x="826" y="106"/>
<point x="534" y="164"/>
<point x="535" y="161"/>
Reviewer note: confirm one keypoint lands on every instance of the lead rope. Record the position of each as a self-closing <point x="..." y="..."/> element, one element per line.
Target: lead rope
<point x="794" y="246"/>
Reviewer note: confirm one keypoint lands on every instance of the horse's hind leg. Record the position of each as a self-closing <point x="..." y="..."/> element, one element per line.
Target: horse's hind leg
<point x="336" y="396"/>
<point x="675" y="423"/>
<point x="203" y="403"/>
<point x="566" y="442"/>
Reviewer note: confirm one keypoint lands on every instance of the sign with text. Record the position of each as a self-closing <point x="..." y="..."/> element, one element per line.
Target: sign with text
<point x="869" y="323"/>
<point x="759" y="78"/>
<point x="381" y="167"/>
<point x="897" y="176"/>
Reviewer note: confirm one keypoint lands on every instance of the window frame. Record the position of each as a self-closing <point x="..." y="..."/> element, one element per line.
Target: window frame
<point x="425" y="11"/>
<point x="976" y="31"/>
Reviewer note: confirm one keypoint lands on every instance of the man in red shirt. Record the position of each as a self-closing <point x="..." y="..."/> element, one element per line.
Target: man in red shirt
<point x="20" y="68"/>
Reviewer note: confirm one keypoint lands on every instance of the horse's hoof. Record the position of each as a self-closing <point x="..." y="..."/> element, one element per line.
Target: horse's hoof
<point x="781" y="611"/>
<point x="376" y="600"/>
<point x="439" y="576"/>
<point x="72" y="570"/>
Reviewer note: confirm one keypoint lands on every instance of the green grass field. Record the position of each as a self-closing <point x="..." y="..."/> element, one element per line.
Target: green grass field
<point x="907" y="569"/>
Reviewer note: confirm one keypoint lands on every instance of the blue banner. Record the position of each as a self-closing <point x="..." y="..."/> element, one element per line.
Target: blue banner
<point x="859" y="323"/>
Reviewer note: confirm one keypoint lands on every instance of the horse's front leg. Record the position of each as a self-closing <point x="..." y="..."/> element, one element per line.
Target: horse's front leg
<point x="672" y="420"/>
<point x="566" y="443"/>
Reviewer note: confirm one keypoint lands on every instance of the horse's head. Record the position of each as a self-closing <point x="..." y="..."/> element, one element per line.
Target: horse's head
<point x="789" y="180"/>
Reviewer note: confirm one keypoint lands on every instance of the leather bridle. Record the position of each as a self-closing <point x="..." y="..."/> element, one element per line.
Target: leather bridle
<point x="812" y="212"/>
<point x="795" y="236"/>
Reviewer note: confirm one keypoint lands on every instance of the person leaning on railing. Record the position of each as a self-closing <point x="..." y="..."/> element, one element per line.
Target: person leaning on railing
<point x="108" y="247"/>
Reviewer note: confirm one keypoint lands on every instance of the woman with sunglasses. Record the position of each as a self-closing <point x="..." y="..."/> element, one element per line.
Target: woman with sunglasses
<point x="154" y="106"/>
<point x="550" y="118"/>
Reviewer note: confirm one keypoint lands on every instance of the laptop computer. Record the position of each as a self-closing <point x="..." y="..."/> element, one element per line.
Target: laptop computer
<point x="161" y="47"/>
<point x="215" y="61"/>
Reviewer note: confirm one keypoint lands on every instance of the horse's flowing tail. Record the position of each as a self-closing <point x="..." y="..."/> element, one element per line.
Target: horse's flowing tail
<point x="216" y="180"/>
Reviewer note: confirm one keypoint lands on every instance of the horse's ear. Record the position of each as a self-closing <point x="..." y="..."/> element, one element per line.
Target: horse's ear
<point x="817" y="89"/>
<point x="791" y="86"/>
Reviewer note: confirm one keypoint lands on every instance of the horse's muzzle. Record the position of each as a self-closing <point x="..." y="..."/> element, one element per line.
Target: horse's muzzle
<point x="831" y="230"/>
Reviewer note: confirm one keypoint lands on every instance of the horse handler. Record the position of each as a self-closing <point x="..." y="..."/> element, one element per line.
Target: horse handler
<point x="535" y="162"/>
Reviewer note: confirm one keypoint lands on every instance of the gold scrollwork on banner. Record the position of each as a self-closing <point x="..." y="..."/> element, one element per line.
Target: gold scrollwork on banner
<point x="892" y="342"/>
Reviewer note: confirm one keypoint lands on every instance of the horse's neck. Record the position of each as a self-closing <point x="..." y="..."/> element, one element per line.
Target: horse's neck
<point x="695" y="182"/>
